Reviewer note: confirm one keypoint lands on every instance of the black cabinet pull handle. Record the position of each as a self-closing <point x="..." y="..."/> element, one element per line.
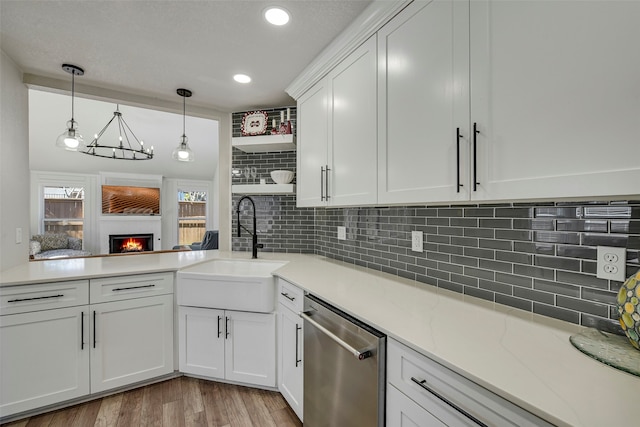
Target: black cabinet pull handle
<point x="226" y="327"/>
<point x="423" y="385"/>
<point x="35" y="298"/>
<point x="321" y="183"/>
<point x="326" y="182"/>
<point x="82" y="330"/>
<point x="298" y="360"/>
<point x="287" y="296"/>
<point x="475" y="156"/>
<point x="458" y="136"/>
<point x="132" y="287"/>
<point x="219" y="332"/>
<point x="94" y="329"/>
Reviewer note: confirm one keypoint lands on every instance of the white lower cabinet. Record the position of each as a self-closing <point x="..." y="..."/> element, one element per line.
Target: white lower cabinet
<point x="44" y="360"/>
<point x="291" y="373"/>
<point x="422" y="392"/>
<point x="231" y="345"/>
<point x="65" y="340"/>
<point x="290" y="345"/>
<point x="404" y="412"/>
<point x="131" y="341"/>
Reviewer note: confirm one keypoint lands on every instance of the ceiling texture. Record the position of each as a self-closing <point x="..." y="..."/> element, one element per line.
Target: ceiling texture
<point x="148" y="49"/>
<point x="152" y="48"/>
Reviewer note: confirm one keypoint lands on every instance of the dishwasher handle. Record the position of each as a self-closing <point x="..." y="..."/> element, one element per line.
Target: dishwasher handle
<point x="360" y="355"/>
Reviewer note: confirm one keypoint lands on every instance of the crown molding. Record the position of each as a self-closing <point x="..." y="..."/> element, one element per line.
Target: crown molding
<point x="55" y="85"/>
<point x="378" y="13"/>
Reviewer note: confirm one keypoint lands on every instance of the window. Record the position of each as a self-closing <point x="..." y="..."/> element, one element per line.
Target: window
<point x="192" y="216"/>
<point x="64" y="210"/>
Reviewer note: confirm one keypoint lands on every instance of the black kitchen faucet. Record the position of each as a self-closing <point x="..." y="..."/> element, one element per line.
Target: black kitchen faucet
<point x="254" y="243"/>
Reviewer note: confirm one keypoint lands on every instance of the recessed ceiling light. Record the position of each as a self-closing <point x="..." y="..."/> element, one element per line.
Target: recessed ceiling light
<point x="276" y="16"/>
<point x="242" y="78"/>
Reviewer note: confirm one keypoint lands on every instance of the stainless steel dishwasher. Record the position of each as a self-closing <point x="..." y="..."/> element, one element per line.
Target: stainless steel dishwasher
<point x="344" y="369"/>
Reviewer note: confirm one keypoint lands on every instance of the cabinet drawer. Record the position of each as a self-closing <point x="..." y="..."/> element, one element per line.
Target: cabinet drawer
<point x="290" y="296"/>
<point x="412" y="373"/>
<point x="127" y="287"/>
<point x="45" y="296"/>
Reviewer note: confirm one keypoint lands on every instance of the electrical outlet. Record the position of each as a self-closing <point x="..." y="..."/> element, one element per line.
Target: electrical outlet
<point x="416" y="241"/>
<point x="18" y="235"/>
<point x="342" y="233"/>
<point x="611" y="263"/>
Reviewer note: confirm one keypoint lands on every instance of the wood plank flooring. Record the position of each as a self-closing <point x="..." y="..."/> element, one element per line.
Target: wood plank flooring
<point x="178" y="402"/>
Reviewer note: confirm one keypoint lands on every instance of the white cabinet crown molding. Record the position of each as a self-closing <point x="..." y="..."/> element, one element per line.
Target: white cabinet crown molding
<point x="378" y="13"/>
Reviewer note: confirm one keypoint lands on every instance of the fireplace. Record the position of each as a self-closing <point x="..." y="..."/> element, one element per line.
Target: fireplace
<point x="124" y="243"/>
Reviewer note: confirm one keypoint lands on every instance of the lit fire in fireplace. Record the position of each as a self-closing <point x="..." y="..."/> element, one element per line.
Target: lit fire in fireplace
<point x="132" y="245"/>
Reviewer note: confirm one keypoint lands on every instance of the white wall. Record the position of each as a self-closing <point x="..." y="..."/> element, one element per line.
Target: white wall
<point x="14" y="165"/>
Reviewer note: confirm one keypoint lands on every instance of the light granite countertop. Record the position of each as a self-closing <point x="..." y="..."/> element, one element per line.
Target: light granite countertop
<point x="522" y="357"/>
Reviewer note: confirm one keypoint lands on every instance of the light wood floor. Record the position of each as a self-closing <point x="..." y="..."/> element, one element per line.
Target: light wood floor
<point x="174" y="403"/>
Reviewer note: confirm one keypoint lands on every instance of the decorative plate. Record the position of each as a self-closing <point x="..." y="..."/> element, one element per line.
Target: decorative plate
<point x="254" y="123"/>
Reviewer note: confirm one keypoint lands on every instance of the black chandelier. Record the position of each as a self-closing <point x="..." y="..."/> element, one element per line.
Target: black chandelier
<point x="128" y="146"/>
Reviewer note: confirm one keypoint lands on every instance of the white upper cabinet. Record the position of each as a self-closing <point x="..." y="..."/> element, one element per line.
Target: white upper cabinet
<point x="556" y="98"/>
<point x="337" y="135"/>
<point x="313" y="129"/>
<point x="352" y="123"/>
<point x="423" y="98"/>
<point x="481" y="100"/>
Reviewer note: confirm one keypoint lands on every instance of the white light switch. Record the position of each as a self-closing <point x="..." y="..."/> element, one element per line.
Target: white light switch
<point x="342" y="233"/>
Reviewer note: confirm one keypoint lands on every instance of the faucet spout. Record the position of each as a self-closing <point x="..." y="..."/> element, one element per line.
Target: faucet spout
<point x="254" y="235"/>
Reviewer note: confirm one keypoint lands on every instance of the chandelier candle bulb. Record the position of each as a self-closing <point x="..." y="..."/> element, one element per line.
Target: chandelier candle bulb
<point x="281" y="116"/>
<point x="288" y="114"/>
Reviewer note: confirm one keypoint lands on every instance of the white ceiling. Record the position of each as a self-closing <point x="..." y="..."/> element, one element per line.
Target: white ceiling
<point x="151" y="48"/>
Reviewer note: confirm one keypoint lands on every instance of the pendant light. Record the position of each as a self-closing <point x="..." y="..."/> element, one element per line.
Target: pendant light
<point x="128" y="147"/>
<point x="182" y="152"/>
<point x="71" y="139"/>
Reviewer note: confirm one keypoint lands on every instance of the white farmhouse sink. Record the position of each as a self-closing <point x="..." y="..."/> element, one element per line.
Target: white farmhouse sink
<point x="229" y="284"/>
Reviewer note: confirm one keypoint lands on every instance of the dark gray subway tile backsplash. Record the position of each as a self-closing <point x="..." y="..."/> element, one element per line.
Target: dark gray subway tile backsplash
<point x="540" y="258"/>
<point x="536" y="256"/>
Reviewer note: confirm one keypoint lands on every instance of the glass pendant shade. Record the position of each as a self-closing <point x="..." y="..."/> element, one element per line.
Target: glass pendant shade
<point x="182" y="152"/>
<point x="71" y="139"/>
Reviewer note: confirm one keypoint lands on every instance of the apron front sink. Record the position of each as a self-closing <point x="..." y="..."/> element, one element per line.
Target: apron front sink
<point x="229" y="284"/>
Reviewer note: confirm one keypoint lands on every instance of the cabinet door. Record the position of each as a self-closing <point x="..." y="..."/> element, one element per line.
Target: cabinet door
<point x="131" y="341"/>
<point x="250" y="348"/>
<point x="290" y="364"/>
<point x="556" y="98"/>
<point x="352" y="125"/>
<point x="44" y="358"/>
<point x="312" y="146"/>
<point x="404" y="412"/>
<point x="423" y="97"/>
<point x="201" y="341"/>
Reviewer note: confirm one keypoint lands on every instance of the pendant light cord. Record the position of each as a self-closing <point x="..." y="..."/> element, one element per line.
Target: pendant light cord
<point x="73" y="91"/>
<point x="184" y="113"/>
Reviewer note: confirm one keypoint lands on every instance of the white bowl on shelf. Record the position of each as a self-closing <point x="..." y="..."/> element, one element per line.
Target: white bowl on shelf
<point x="282" y="176"/>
